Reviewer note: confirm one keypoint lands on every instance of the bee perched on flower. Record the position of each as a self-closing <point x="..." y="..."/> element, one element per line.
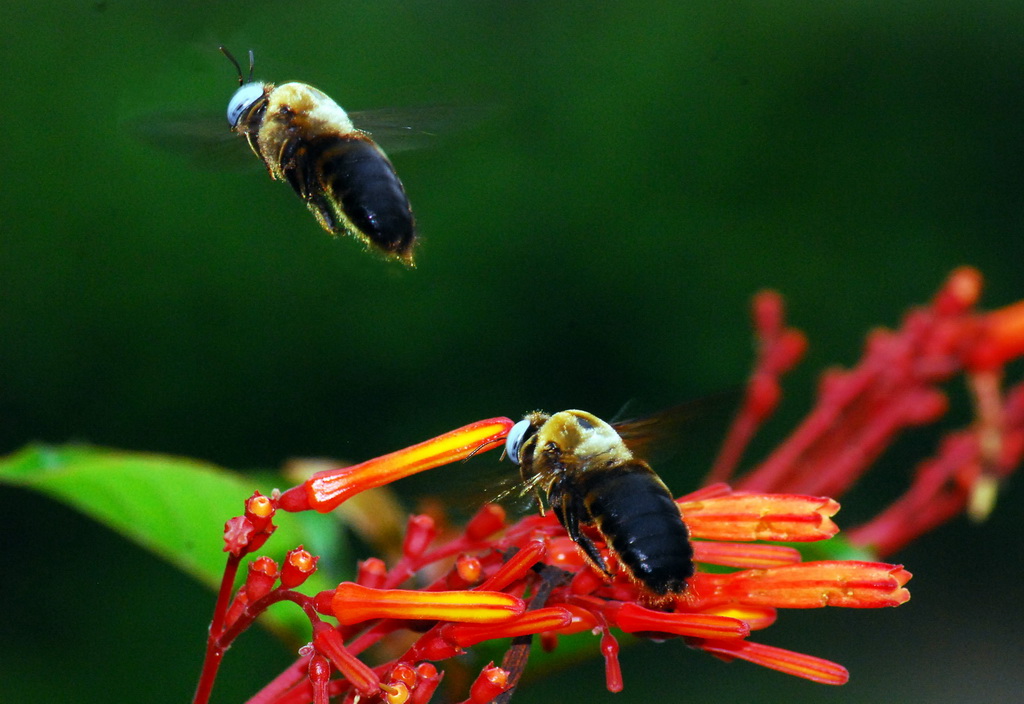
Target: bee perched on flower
<point x="725" y="561"/>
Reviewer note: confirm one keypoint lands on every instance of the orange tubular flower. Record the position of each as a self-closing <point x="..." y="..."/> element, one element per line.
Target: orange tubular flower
<point x="740" y="516"/>
<point x="354" y="603"/>
<point x="552" y="618"/>
<point x="325" y="490"/>
<point x="806" y="666"/>
<point x="809" y="585"/>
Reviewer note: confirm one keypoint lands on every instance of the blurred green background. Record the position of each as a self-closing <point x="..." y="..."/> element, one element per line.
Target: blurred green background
<point x="643" y="170"/>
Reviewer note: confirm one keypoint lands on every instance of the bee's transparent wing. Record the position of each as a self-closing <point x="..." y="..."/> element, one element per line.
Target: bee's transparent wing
<point x="201" y="137"/>
<point x="205" y="139"/>
<point x="404" y="129"/>
<point x="662" y="434"/>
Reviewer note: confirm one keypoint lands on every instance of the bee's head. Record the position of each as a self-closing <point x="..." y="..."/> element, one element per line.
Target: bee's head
<point x="244" y="97"/>
<point x="248" y="92"/>
<point x="521" y="435"/>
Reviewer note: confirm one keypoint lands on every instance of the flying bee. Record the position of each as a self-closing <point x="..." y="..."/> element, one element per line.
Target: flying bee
<point x="590" y="478"/>
<point x="305" y="138"/>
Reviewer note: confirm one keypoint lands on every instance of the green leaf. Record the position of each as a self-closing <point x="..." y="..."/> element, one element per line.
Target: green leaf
<point x="835" y="548"/>
<point x="175" y="507"/>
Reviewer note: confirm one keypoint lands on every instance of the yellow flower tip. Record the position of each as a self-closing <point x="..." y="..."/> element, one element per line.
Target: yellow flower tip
<point x="964" y="286"/>
<point x="744" y="517"/>
<point x="354" y="603"/>
<point x="397" y="693"/>
<point x="982" y="498"/>
<point x="756" y="617"/>
<point x="260" y="506"/>
<point x="326" y="489"/>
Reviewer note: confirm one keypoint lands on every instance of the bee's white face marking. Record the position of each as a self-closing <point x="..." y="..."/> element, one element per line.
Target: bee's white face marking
<point x="245" y="96"/>
<point x="514" y="441"/>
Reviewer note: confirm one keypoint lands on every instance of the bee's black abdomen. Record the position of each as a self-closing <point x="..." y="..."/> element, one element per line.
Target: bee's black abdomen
<point x="638" y="518"/>
<point x="357" y="175"/>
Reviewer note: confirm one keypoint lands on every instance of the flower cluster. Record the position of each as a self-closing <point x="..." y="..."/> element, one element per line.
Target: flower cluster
<point x="494" y="580"/>
<point x="896" y="385"/>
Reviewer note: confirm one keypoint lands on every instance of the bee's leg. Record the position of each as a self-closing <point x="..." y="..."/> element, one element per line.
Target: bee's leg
<point x="298" y="165"/>
<point x="292" y="157"/>
<point x="540" y="502"/>
<point x="572" y="514"/>
<point x="253" y="139"/>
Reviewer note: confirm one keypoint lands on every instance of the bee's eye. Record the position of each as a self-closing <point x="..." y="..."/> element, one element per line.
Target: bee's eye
<point x="245" y="96"/>
<point x="516" y="438"/>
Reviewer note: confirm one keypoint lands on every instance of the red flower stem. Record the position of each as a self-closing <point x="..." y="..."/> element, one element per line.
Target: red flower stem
<point x="850" y="453"/>
<point x="370" y="636"/>
<point x="933" y="498"/>
<point x="254" y="610"/>
<point x="214" y="650"/>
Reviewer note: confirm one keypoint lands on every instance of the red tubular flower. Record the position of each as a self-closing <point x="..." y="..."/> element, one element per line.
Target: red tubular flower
<point x="419" y="533"/>
<point x="612" y="669"/>
<point x="551" y="618"/>
<point x="633" y="618"/>
<point x="487" y="521"/>
<point x="261" y="578"/>
<point x="468" y="568"/>
<point x="742" y="555"/>
<point x="299" y="564"/>
<point x="807" y="585"/>
<point x="372" y="573"/>
<point x="260" y="510"/>
<point x="427" y="679"/>
<point x="806" y="666"/>
<point x="327" y="642"/>
<point x="319" y="677"/>
<point x="491" y="682"/>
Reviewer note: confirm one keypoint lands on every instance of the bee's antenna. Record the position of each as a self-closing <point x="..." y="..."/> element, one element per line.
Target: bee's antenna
<point x="233" y="60"/>
<point x="484" y="446"/>
<point x="252" y="64"/>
